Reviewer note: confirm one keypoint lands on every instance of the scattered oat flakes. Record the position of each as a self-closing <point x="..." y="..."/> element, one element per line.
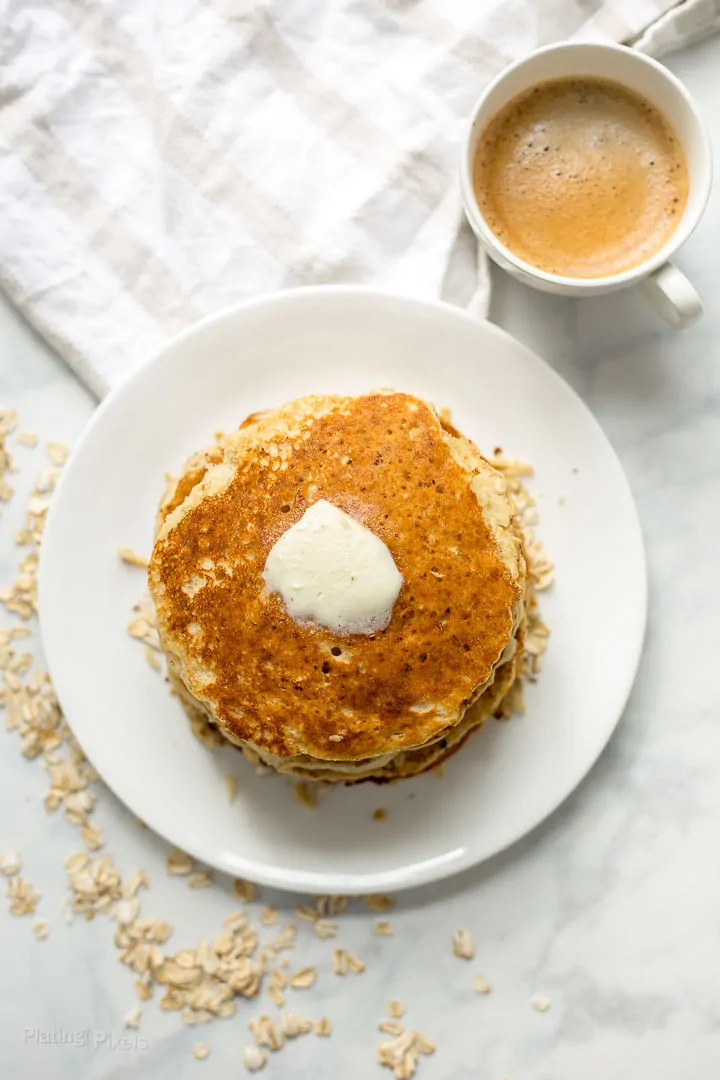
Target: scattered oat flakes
<point x="10" y="863"/>
<point x="201" y="1051"/>
<point x="132" y="1016"/>
<point x="95" y="884"/>
<point x="334" y="905"/>
<point x="22" y="896"/>
<point x="266" y="1033"/>
<point x="284" y="940"/>
<point x="379" y="814"/>
<point x="378" y="902"/>
<point x="396" y="1009"/>
<point x="269" y="916"/>
<point x="132" y="558"/>
<point x="481" y="984"/>
<point x="462" y="945"/>
<point x="305" y="795"/>
<point x="93" y="837"/>
<point x="244" y="890"/>
<point x="391" y="1027"/>
<point x="254" y="1058"/>
<point x="152" y="658"/>
<point x="323" y="1027"/>
<point x="57" y="452"/>
<point x="401" y="1055"/>
<point x="303" y="978"/>
<point x="383" y="928"/>
<point x="539" y="1003"/>
<point x="278" y="985"/>
<point x="46" y="481"/>
<point x="231" y="786"/>
<point x="28" y="438"/>
<point x="200" y="879"/>
<point x="178" y="862"/>
<point x="8" y="421"/>
<point x="306" y="912"/>
<point x="324" y="929"/>
<point x="345" y="962"/>
<point x="78" y="861"/>
<point x="293" y="1025"/>
<point x="41" y="929"/>
<point x="540" y="576"/>
<point x="133" y="883"/>
<point x="139" y="627"/>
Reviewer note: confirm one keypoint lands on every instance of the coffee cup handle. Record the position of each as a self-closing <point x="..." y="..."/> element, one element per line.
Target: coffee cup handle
<point x="671" y="296"/>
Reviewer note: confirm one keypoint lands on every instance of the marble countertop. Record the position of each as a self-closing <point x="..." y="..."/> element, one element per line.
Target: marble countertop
<point x="611" y="909"/>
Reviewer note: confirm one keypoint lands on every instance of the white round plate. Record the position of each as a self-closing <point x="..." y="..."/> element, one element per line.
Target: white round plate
<point x="509" y="776"/>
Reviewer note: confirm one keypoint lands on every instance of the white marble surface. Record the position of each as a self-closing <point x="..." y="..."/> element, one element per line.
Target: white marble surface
<point x="611" y="909"/>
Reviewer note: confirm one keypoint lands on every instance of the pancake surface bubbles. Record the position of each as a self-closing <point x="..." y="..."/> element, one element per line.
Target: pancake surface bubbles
<point x="295" y="693"/>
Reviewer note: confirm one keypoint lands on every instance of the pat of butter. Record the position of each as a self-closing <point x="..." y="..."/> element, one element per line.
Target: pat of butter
<point x="330" y="569"/>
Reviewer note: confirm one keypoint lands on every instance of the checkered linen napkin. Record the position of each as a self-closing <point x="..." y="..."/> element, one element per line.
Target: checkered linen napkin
<point x="160" y="160"/>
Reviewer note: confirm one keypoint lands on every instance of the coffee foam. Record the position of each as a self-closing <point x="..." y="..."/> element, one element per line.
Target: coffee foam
<point x="581" y="177"/>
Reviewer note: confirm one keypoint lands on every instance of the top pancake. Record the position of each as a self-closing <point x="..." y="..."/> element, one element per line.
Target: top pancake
<point x="442" y="510"/>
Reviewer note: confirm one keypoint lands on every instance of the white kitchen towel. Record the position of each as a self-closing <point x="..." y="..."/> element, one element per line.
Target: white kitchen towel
<point x="159" y="160"/>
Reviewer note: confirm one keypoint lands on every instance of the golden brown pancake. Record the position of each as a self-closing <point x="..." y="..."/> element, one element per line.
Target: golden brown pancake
<point x="295" y="695"/>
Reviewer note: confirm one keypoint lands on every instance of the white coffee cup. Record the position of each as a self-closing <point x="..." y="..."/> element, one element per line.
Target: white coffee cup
<point x="665" y="288"/>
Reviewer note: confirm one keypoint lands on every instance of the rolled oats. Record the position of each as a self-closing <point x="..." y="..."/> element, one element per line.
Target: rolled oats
<point x="22" y="896"/>
<point x="57" y="452"/>
<point x="401" y="1055"/>
<point x="132" y="558"/>
<point x="324" y="929"/>
<point x="335" y="905"/>
<point x="293" y="1025"/>
<point x="378" y="902"/>
<point x="132" y="1017"/>
<point x="152" y="658"/>
<point x="178" y="862"/>
<point x="41" y="929"/>
<point x="462" y="945"/>
<point x="10" y="863"/>
<point x="285" y="939"/>
<point x="306" y="912"/>
<point x="200" y="879"/>
<point x="345" y="962"/>
<point x="93" y="837"/>
<point x="254" y="1058"/>
<point x="303" y="978"/>
<point x="244" y="890"/>
<point x="267" y="1033"/>
<point x="391" y="1027"/>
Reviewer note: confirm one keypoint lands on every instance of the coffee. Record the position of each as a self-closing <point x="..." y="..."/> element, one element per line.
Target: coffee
<point x="581" y="177"/>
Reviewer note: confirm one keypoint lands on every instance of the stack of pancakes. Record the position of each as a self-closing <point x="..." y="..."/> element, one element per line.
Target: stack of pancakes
<point x="296" y="696"/>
